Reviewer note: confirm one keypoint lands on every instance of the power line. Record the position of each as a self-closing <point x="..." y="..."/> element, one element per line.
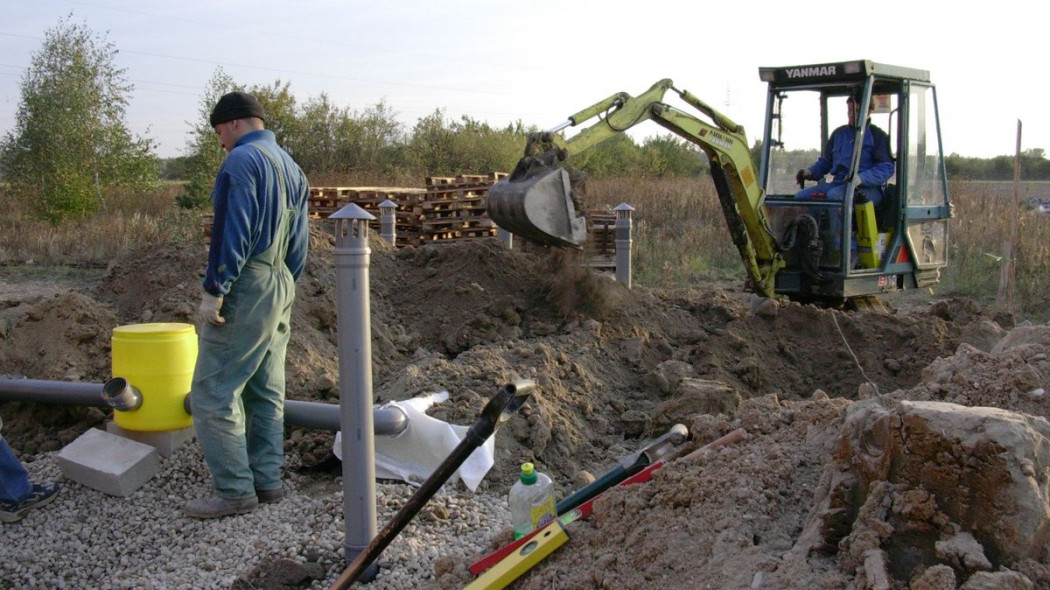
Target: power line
<point x="324" y="41"/>
<point x="326" y="76"/>
<point x="288" y="72"/>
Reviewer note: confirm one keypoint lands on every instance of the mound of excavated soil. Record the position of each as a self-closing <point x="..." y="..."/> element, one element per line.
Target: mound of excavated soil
<point x="789" y="507"/>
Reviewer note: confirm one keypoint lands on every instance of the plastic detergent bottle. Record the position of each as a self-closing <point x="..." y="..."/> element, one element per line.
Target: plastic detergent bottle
<point x="531" y="501"/>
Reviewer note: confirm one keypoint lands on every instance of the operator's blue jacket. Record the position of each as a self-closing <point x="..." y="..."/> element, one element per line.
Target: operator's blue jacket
<point x="876" y="162"/>
<point x="247" y="215"/>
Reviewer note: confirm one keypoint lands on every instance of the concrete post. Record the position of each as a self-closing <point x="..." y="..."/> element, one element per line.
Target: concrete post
<point x="388" y="221"/>
<point x="623" y="243"/>
<point x="352" y="255"/>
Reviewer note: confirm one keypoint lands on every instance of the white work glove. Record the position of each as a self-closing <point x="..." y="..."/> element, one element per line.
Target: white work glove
<point x="209" y="309"/>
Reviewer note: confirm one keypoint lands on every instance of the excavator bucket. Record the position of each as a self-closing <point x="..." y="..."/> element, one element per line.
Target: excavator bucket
<point x="538" y="206"/>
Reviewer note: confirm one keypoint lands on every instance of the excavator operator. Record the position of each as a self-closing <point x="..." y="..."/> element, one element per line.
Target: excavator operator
<point x="876" y="162"/>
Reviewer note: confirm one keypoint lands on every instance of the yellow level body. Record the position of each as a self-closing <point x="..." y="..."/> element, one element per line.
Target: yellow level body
<point x="514" y="565"/>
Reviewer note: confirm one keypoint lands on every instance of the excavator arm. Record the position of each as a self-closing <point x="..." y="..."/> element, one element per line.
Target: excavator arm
<point x="536" y="200"/>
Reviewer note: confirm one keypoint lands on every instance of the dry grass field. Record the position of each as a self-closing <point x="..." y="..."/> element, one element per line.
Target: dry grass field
<point x="679" y="236"/>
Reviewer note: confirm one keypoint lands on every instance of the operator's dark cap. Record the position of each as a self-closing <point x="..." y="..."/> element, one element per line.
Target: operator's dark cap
<point x="236" y="105"/>
<point x="856" y="96"/>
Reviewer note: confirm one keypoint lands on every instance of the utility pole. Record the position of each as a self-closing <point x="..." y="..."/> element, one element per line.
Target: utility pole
<point x="1004" y="300"/>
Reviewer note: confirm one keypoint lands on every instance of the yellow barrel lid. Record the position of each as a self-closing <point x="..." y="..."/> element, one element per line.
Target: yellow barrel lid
<point x="157" y="328"/>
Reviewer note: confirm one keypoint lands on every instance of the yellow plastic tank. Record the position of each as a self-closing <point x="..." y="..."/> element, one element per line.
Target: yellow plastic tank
<point x="157" y="360"/>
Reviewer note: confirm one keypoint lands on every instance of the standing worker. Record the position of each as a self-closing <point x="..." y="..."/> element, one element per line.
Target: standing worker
<point x="259" y="240"/>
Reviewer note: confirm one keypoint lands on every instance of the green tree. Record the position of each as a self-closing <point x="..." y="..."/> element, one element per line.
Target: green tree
<point x="70" y="146"/>
<point x="204" y="153"/>
<point x="379" y="139"/>
<point x="430" y="147"/>
<point x="669" y="155"/>
<point x="279" y="104"/>
<point x="756" y="154"/>
<point x="439" y="146"/>
<point x="319" y="146"/>
<point x="618" y="155"/>
<point x="176" y="168"/>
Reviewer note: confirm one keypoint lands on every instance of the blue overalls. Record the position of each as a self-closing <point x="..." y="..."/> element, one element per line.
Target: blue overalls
<point x="874" y="170"/>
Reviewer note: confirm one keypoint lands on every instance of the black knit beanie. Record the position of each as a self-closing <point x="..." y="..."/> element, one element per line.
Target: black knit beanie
<point x="235" y="105"/>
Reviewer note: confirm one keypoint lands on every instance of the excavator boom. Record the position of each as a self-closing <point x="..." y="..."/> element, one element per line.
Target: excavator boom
<point x="536" y="201"/>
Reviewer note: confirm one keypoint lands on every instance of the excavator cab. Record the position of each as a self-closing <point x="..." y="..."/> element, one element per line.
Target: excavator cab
<point x="835" y="249"/>
<point x="860" y="249"/>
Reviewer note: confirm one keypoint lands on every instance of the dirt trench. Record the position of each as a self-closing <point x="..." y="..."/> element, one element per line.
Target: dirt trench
<point x="614" y="367"/>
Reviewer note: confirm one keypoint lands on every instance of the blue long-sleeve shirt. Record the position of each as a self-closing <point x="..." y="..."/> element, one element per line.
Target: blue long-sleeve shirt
<point x="876" y="163"/>
<point x="247" y="210"/>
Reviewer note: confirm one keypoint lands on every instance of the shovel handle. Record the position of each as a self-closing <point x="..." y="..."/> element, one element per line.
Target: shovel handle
<point x="732" y="438"/>
<point x="498" y="410"/>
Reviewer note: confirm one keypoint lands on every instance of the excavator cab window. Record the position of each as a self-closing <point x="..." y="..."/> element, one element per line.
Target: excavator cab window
<point x="798" y="131"/>
<point x="802" y="121"/>
<point x="926" y="186"/>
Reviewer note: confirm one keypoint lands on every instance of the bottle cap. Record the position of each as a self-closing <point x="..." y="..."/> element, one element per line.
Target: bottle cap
<point x="528" y="474"/>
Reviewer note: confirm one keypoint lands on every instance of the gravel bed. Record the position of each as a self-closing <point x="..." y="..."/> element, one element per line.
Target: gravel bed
<point x="87" y="539"/>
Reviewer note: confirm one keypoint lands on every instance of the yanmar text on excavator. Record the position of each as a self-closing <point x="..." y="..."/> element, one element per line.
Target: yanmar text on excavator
<point x="829" y="246"/>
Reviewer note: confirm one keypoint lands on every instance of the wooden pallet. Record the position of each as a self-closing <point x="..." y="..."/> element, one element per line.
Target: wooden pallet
<point x="457" y="223"/>
<point x="449" y="208"/>
<point x="601" y="234"/>
<point x="443" y="200"/>
<point x="464" y="180"/>
<point x="451" y="213"/>
<point x="460" y="234"/>
<point x="324" y="201"/>
<point x="455" y="207"/>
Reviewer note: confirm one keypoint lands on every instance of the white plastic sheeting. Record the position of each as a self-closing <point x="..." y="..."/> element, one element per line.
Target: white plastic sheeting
<point x="414" y="454"/>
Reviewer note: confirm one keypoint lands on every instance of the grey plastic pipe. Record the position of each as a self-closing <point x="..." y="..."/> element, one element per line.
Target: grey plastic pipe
<point x="388" y="420"/>
<point x="352" y="259"/>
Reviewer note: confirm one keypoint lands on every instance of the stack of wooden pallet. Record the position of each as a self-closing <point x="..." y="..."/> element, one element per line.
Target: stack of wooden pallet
<point x="454" y="207"/>
<point x="601" y="238"/>
<point x="327" y="200"/>
<point x="449" y="208"/>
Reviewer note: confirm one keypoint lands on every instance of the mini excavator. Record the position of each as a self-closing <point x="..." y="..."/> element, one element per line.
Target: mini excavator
<point x="790" y="247"/>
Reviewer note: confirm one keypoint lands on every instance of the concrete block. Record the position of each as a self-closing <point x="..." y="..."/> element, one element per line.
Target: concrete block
<point x="108" y="463"/>
<point x="166" y="442"/>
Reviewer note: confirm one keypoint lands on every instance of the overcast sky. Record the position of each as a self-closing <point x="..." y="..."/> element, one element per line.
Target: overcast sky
<point x="539" y="61"/>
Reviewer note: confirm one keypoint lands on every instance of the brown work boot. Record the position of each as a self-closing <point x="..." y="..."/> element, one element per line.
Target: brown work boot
<point x="269" y="496"/>
<point x="216" y="507"/>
